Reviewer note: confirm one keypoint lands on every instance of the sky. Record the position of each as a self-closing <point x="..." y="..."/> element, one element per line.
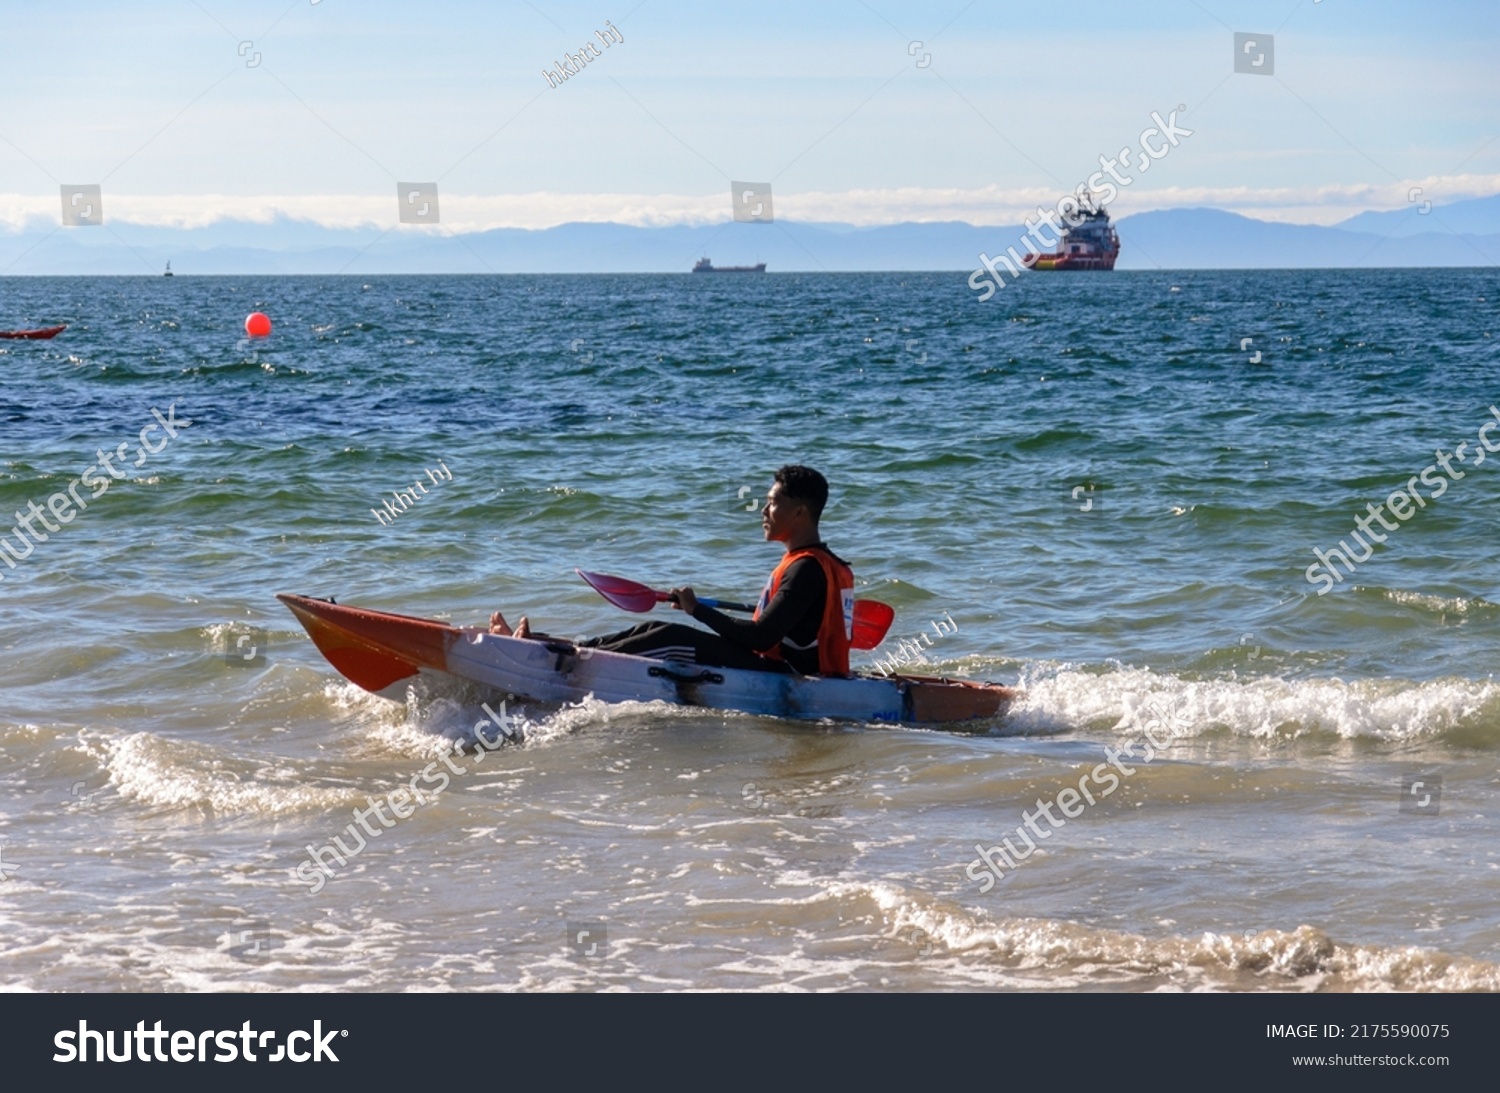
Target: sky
<point x="188" y="112"/>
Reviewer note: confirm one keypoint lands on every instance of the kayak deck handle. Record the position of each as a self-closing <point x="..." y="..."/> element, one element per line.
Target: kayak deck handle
<point x="566" y="654"/>
<point x="703" y="675"/>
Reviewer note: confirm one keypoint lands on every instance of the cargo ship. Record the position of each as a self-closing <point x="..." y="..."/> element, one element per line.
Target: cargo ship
<point x="705" y="266"/>
<point x="1093" y="244"/>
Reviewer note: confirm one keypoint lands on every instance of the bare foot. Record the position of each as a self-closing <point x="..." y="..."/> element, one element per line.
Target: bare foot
<point x="499" y="626"/>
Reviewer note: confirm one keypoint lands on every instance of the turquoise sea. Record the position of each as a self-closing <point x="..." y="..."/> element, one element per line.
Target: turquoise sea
<point x="1112" y="485"/>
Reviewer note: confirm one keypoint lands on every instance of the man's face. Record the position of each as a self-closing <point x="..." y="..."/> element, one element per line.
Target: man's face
<point x="781" y="516"/>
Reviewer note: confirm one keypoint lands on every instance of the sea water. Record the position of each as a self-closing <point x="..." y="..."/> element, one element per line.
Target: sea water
<point x="1114" y="486"/>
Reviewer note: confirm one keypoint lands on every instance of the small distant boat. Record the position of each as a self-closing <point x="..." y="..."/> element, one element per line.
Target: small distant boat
<point x="35" y="335"/>
<point x="169" y="271"/>
<point x="705" y="266"/>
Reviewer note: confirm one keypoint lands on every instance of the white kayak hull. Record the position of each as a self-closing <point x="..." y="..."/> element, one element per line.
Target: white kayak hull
<point x="382" y="652"/>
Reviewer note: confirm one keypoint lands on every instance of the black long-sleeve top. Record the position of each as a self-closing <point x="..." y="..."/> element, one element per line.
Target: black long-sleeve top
<point x="795" y="614"/>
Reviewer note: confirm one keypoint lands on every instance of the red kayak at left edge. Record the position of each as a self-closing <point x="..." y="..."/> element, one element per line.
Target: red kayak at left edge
<point x="35" y="335"/>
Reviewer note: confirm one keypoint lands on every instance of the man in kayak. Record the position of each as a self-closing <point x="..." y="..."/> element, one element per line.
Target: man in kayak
<point x="802" y="623"/>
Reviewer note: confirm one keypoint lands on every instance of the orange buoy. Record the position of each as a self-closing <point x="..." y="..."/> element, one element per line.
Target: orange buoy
<point x="257" y="325"/>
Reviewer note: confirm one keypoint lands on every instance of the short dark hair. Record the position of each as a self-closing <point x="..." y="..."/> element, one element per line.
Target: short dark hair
<point x="805" y="485"/>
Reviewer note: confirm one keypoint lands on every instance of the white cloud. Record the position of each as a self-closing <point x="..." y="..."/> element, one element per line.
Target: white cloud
<point x="987" y="205"/>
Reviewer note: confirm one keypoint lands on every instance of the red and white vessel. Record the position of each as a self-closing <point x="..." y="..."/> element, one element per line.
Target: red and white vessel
<point x="1092" y="244"/>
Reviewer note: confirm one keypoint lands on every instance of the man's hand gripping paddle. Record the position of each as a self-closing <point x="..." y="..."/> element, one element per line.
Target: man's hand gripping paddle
<point x="872" y="619"/>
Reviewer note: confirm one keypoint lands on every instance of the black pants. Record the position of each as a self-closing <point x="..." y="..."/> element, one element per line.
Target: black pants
<point x="678" y="641"/>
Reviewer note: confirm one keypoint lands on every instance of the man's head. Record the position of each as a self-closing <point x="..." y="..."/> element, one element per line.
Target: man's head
<point x="794" y="505"/>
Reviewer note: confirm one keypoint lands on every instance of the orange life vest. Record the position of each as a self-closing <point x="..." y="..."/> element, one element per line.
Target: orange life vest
<point x="837" y="626"/>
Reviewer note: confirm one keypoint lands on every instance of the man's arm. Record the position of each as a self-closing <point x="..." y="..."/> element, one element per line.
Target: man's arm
<point x="804" y="589"/>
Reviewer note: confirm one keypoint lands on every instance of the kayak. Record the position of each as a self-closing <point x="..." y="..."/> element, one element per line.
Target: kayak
<point x="35" y="335"/>
<point x="383" y="653"/>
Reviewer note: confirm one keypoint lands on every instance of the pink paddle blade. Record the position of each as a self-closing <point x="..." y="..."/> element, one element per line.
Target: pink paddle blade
<point x="626" y="595"/>
<point x="871" y="621"/>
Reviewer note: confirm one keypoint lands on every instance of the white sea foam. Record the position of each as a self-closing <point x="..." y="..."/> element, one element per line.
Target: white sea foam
<point x="1056" y="699"/>
<point x="1441" y="605"/>
<point x="1299" y="958"/>
<point x="438" y="712"/>
<point x="176" y="774"/>
<point x="593" y="712"/>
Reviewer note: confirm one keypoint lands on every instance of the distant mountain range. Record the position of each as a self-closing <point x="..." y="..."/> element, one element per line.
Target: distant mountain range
<point x="1464" y="233"/>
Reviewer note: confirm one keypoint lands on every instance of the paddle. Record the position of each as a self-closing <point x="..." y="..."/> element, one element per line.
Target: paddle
<point x="634" y="596"/>
<point x="871" y="617"/>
